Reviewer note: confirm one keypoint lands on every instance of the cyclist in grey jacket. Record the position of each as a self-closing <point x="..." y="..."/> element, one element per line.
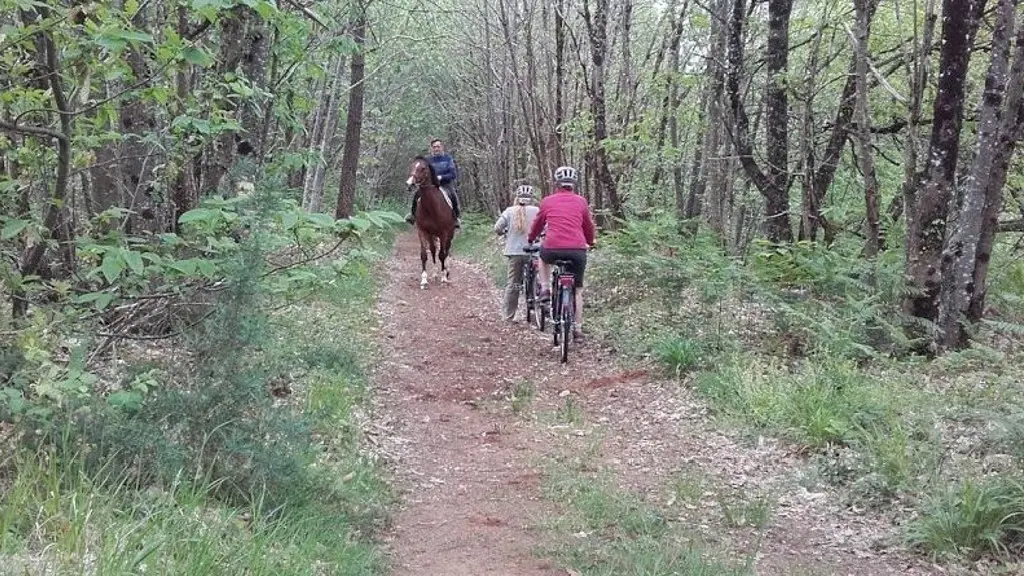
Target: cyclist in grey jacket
<point x="514" y="223"/>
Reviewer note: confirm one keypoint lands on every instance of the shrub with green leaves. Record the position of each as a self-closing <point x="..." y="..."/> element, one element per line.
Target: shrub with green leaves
<point x="194" y="436"/>
<point x="972" y="518"/>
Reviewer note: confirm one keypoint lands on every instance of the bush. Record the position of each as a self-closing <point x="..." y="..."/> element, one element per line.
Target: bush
<point x="972" y="518"/>
<point x="215" y="425"/>
<point x="679" y="354"/>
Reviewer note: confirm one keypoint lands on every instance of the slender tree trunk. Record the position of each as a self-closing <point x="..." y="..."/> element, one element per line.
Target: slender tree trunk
<point x="873" y="241"/>
<point x="354" y="123"/>
<point x="597" y="26"/>
<point x="55" y="219"/>
<point x="777" y="121"/>
<point x="931" y="210"/>
<point x="670" y="103"/>
<point x="809" y="196"/>
<point x="324" y="127"/>
<point x="960" y="257"/>
<point x="559" y="82"/>
<point x="918" y="74"/>
<point x="773" y="183"/>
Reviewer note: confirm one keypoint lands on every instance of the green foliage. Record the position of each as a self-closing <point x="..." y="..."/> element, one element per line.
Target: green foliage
<point x="570" y="412"/>
<point x="611" y="532"/>
<point x="521" y="396"/>
<point x="825" y="402"/>
<point x="740" y="511"/>
<point x="477" y="242"/>
<point x="195" y="446"/>
<point x="972" y="518"/>
<point x="679" y="354"/>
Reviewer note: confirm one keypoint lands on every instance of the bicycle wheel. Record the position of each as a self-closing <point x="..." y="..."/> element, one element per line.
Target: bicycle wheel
<point x="556" y="317"/>
<point x="528" y="291"/>
<point x="566" y="322"/>
<point x="540" y="313"/>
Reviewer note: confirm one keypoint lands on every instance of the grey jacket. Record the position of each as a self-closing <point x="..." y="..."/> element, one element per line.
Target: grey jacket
<point x="515" y="240"/>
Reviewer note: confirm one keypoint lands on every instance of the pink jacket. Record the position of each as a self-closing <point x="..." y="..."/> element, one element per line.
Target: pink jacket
<point x="567" y="216"/>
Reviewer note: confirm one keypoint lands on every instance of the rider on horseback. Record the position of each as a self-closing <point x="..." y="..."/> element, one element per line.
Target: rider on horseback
<point x="447" y="173"/>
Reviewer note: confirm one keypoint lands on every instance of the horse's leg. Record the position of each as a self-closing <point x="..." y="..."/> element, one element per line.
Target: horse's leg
<point x="423" y="259"/>
<point x="446" y="250"/>
<point x="433" y="251"/>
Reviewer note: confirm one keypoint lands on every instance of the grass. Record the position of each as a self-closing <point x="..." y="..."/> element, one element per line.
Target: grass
<point x="60" y="514"/>
<point x="522" y="395"/>
<point x="972" y="518"/>
<point x="740" y="511"/>
<point x="476" y="241"/>
<point x="679" y="354"/>
<point x="570" y="412"/>
<point x="807" y="343"/>
<point x="605" y="531"/>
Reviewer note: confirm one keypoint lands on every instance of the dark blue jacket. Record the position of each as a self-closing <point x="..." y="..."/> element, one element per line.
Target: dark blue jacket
<point x="445" y="168"/>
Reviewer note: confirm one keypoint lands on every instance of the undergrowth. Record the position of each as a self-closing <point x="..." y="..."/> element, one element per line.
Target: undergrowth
<point x="241" y="452"/>
<point x="604" y="531"/>
<point x="809" y="343"/>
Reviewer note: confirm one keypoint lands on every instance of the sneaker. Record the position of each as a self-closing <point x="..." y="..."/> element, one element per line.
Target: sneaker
<point x="410" y="219"/>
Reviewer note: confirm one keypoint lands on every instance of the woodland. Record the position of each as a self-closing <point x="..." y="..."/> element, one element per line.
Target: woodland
<point x="812" y="211"/>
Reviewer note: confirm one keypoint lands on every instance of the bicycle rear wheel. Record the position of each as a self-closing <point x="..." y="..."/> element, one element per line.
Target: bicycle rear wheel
<point x="540" y="314"/>
<point x="556" y="316"/>
<point x="566" y="323"/>
<point x="528" y="291"/>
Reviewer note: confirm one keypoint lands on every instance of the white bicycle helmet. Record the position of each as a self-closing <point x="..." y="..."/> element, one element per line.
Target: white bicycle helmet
<point x="524" y="194"/>
<point x="565" y="175"/>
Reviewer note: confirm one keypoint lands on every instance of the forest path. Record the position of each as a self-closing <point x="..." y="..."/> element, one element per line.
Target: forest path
<point x="472" y="466"/>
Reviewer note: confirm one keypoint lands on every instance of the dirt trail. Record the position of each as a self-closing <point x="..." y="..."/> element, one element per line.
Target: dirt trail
<point x="469" y="470"/>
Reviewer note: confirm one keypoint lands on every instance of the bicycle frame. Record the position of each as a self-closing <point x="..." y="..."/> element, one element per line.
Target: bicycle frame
<point x="530" y="278"/>
<point x="560" y="282"/>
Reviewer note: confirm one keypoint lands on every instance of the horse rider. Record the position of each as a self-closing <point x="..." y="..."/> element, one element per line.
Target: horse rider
<point x="570" y="232"/>
<point x="447" y="174"/>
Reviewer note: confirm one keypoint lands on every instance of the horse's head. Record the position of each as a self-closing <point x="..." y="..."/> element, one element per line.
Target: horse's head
<point x="421" y="173"/>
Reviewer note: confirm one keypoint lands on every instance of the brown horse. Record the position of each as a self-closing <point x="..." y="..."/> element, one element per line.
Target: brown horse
<point x="434" y="219"/>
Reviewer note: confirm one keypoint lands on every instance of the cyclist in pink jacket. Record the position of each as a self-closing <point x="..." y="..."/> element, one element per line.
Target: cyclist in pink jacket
<point x="570" y="232"/>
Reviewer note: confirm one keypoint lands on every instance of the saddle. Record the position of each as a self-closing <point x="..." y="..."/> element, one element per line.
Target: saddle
<point x="447" y="196"/>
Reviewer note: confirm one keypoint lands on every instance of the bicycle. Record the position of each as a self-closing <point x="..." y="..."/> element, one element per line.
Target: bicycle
<point x="536" y="312"/>
<point x="563" y="305"/>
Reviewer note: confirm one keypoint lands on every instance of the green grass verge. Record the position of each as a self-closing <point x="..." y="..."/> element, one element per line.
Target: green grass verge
<point x="605" y="531"/>
<point x="478" y="243"/>
<point x="806" y="343"/>
<point x="318" y="509"/>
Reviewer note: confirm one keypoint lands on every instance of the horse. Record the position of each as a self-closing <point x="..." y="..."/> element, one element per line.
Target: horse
<point x="434" y="219"/>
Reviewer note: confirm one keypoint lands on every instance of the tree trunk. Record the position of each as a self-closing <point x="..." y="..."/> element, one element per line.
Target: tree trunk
<point x="825" y="171"/>
<point x="184" y="193"/>
<point x="559" y="82"/>
<point x="55" y="219"/>
<point x="809" y="208"/>
<point x="777" y="122"/>
<point x="324" y="124"/>
<point x="996" y="128"/>
<point x="867" y="162"/>
<point x="237" y="38"/>
<point x="353" y="124"/>
<point x="773" y="185"/>
<point x="931" y="209"/>
<point x="918" y="74"/>
<point x="597" y="27"/>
